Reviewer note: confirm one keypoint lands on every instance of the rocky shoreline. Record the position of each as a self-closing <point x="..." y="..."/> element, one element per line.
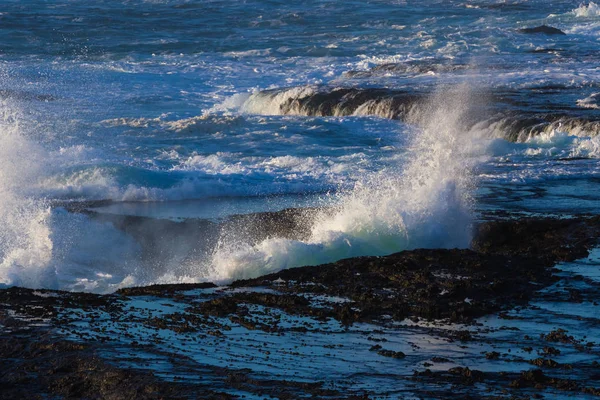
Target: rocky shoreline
<point x="515" y="316"/>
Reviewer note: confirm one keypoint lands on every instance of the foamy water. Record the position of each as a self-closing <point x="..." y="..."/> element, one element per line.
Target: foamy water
<point x="408" y="120"/>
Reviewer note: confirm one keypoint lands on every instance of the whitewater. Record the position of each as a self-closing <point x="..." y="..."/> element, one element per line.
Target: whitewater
<point x="396" y="126"/>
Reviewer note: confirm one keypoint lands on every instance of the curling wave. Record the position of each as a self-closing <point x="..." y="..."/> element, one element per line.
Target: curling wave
<point x="490" y="122"/>
<point x="337" y="102"/>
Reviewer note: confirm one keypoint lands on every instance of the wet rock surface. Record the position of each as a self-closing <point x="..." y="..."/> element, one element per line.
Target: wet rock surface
<point x="543" y="29"/>
<point x="501" y="320"/>
<point x="431" y="284"/>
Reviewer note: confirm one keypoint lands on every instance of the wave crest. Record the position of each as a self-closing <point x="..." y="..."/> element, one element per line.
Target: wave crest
<point x="411" y="107"/>
<point x="590" y="10"/>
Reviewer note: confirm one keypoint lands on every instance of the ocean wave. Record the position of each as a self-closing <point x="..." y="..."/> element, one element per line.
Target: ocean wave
<point x="39" y="244"/>
<point x="397" y="104"/>
<point x="590" y="10"/>
<point x="337" y="102"/>
<point x="592" y="101"/>
<point x="99" y="184"/>
<point x="562" y="145"/>
<point x="209" y="122"/>
<point x="25" y="238"/>
<point x="47" y="247"/>
<point x="271" y="102"/>
<point x="424" y="203"/>
<point x="521" y="128"/>
<point x="415" y="67"/>
<point x="280" y="167"/>
<point x="249" y="53"/>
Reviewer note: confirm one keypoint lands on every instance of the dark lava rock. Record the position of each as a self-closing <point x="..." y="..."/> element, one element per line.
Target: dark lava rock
<point x="550" y="351"/>
<point x="530" y="378"/>
<point x="35" y="365"/>
<point x="547" y="239"/>
<point x="455" y="284"/>
<point x="392" y="354"/>
<point x="545" y="51"/>
<point x="290" y="223"/>
<point x="544" y="29"/>
<point x="558" y="335"/>
<point x="166" y="290"/>
<point x="545" y="362"/>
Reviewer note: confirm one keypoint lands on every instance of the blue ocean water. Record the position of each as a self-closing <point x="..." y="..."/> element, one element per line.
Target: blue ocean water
<point x="413" y="119"/>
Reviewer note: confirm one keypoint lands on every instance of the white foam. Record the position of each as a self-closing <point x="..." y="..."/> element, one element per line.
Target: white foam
<point x="323" y="168"/>
<point x="208" y="122"/>
<point x="590" y="10"/>
<point x="249" y="53"/>
<point x="592" y="101"/>
<point x="267" y="104"/>
<point x="561" y="144"/>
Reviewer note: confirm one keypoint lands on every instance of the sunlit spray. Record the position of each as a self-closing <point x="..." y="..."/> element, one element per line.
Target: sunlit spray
<point x="424" y="203"/>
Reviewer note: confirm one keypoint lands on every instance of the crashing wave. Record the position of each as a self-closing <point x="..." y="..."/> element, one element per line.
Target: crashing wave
<point x="521" y="128"/>
<point x="591" y="10"/>
<point x="424" y="203"/>
<point x="337" y="102"/>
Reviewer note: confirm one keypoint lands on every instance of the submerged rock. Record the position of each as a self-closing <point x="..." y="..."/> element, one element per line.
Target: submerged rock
<point x="545" y="29"/>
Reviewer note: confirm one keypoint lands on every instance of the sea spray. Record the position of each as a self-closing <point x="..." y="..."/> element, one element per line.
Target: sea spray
<point x="25" y="243"/>
<point x="425" y="203"/>
<point x="590" y="10"/>
<point x="47" y="247"/>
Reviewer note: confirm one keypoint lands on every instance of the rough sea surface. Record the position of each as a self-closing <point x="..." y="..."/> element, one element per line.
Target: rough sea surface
<point x="399" y="124"/>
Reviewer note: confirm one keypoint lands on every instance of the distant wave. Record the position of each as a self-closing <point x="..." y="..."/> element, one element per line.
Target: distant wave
<point x="590" y="10"/>
<point x="409" y="67"/>
<point x="396" y="104"/>
<point x="592" y="101"/>
<point x="337" y="102"/>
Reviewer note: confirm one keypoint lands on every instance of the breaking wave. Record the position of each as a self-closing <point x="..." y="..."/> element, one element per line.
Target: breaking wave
<point x="590" y="10"/>
<point x="521" y="128"/>
<point x="396" y="104"/>
<point x="337" y="102"/>
<point x="426" y="203"/>
<point x="592" y="102"/>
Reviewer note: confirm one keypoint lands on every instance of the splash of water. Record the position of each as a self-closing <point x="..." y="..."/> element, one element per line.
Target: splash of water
<point x="25" y="242"/>
<point x="44" y="247"/>
<point x="426" y="203"/>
